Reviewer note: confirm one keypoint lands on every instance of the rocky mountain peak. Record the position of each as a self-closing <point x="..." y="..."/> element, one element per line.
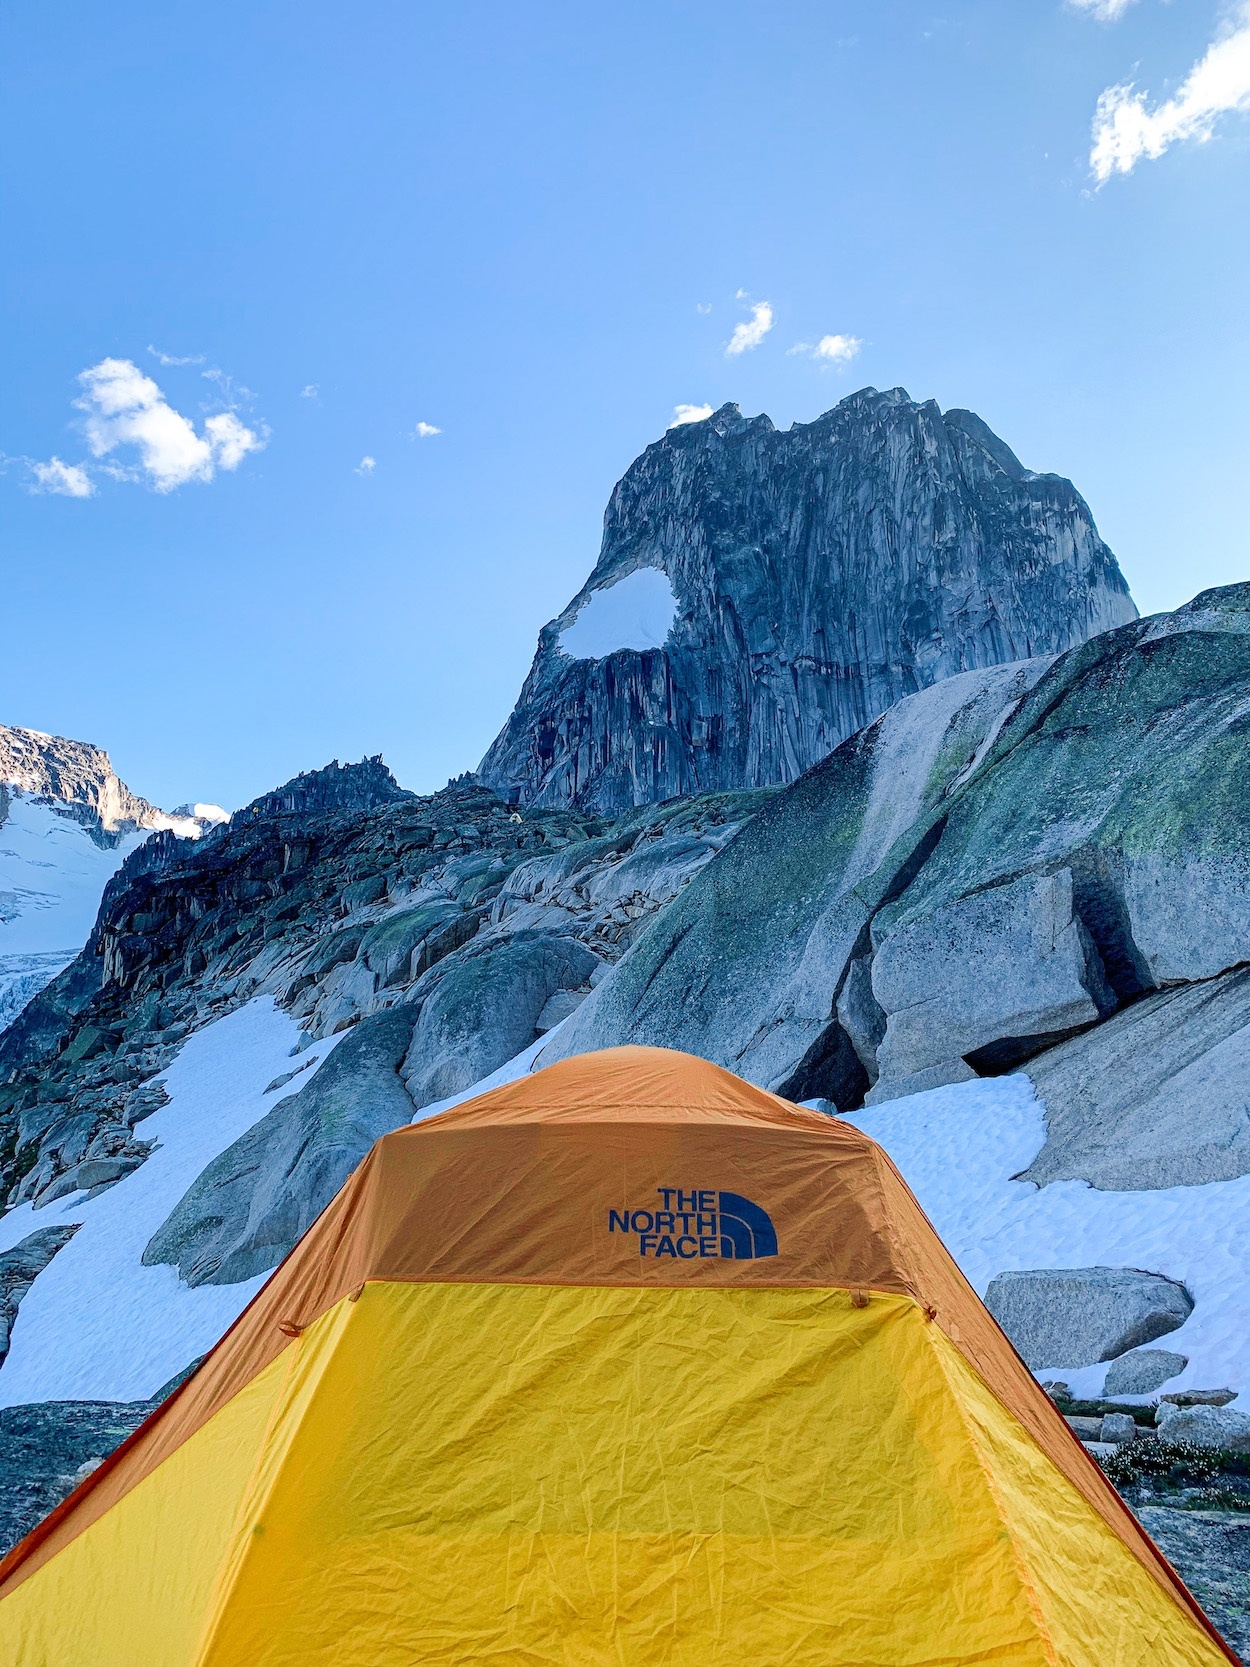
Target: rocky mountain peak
<point x="760" y="595"/>
<point x="79" y="778"/>
<point x="336" y="786"/>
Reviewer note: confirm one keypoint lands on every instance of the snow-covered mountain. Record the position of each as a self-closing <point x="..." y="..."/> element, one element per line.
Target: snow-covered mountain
<point x="67" y="823"/>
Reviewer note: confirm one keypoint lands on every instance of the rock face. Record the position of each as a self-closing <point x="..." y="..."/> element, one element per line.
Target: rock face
<point x="77" y="776"/>
<point x="1079" y="1316"/>
<point x="1044" y="865"/>
<point x="818" y="576"/>
<point x="442" y="929"/>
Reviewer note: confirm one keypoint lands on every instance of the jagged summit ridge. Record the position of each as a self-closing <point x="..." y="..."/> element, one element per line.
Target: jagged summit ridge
<point x="79" y="777"/>
<point x="819" y="574"/>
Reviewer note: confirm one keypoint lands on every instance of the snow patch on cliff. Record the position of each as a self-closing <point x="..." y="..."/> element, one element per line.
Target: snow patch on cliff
<point x="637" y="612"/>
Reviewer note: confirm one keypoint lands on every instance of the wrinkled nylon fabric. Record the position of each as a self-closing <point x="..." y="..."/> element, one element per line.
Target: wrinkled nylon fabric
<point x="513" y="1473"/>
<point x="135" y="1590"/>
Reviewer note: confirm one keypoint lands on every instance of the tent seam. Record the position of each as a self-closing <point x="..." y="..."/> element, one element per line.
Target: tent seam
<point x="1017" y="1556"/>
<point x="253" y="1503"/>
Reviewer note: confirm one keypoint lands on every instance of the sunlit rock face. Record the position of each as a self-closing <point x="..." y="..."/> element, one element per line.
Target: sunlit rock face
<point x="761" y="595"/>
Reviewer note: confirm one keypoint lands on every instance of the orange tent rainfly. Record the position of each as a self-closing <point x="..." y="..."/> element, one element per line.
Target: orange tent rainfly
<point x="628" y="1362"/>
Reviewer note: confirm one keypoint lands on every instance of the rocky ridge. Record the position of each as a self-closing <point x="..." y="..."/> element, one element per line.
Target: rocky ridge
<point x="820" y="575"/>
<point x="453" y="930"/>
<point x="79" y="780"/>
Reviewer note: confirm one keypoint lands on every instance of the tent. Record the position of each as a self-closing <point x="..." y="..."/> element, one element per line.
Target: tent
<point x="627" y="1362"/>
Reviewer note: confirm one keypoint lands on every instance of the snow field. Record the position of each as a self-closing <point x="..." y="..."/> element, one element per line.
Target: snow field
<point x="98" y="1325"/>
<point x="958" y="1148"/>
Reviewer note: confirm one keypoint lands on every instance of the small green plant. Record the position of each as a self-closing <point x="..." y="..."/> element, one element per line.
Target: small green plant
<point x="1208" y="1476"/>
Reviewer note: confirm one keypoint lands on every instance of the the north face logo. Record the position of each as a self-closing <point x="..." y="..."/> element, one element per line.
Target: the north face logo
<point x="700" y="1223"/>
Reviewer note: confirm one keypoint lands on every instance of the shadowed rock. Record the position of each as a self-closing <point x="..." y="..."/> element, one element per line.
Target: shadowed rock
<point x="481" y="1006"/>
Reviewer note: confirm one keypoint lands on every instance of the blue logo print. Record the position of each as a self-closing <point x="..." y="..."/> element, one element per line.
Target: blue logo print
<point x="699" y="1224"/>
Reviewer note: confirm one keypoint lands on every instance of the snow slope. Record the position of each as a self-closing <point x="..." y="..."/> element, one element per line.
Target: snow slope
<point x="97" y="1324"/>
<point x="958" y="1148"/>
<point x="52" y="875"/>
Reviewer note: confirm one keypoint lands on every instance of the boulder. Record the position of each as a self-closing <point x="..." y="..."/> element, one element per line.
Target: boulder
<point x="1085" y="1429"/>
<point x="1117" y="1428"/>
<point x="1007" y="967"/>
<point x="1200" y="1397"/>
<point x="1079" y="1316"/>
<point x="1207" y="1427"/>
<point x="247" y="1208"/>
<point x="1158" y="1096"/>
<point x="745" y="967"/>
<point x="480" y="1007"/>
<point x="1141" y="1371"/>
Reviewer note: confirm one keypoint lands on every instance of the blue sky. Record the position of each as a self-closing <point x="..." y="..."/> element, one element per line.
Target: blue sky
<point x="528" y="226"/>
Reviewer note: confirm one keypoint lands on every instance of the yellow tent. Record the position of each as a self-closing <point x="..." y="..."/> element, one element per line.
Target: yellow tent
<point x="627" y="1363"/>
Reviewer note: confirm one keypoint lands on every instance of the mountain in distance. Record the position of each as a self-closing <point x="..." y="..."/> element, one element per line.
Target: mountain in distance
<point x="67" y="823"/>
<point x="761" y="595"/>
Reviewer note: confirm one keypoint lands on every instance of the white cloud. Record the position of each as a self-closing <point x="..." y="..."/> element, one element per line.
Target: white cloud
<point x="423" y="431"/>
<point x="367" y="465"/>
<point x="126" y="408"/>
<point x="830" y="350"/>
<point x="703" y="306"/>
<point x="67" y="480"/>
<point x="172" y="359"/>
<point x="1106" y="11"/>
<point x="689" y="414"/>
<point x="310" y="390"/>
<point x="230" y="439"/>
<point x="751" y="332"/>
<point x="1125" y="131"/>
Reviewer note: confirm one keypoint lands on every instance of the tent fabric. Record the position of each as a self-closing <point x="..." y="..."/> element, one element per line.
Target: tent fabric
<point x="484" y="1412"/>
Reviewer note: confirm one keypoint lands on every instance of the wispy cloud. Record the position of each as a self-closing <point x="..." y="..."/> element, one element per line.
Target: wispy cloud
<point x="124" y="408"/>
<point x="367" y="465"/>
<point x="830" y="350"/>
<point x="173" y="359"/>
<point x="310" y="390"/>
<point x="1125" y="130"/>
<point x="425" y="431"/>
<point x="1106" y="11"/>
<point x="750" y="332"/>
<point x="689" y="414"/>
<point x="703" y="307"/>
<point x="67" y="480"/>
